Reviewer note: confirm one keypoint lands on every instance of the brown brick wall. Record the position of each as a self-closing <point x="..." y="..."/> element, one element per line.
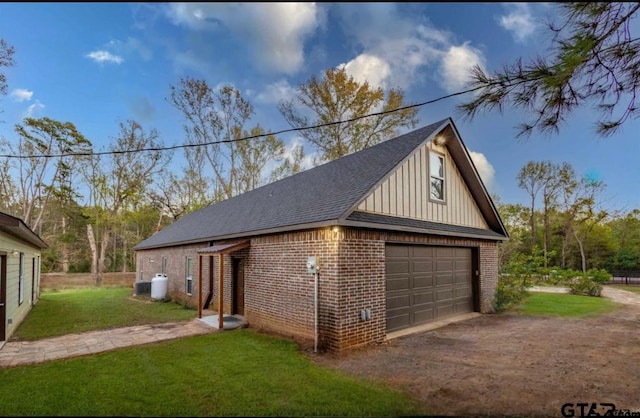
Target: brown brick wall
<point x="279" y="292"/>
<point x="176" y="270"/>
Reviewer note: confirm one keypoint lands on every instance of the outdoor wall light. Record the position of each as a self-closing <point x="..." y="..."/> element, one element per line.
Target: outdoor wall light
<point x="439" y="140"/>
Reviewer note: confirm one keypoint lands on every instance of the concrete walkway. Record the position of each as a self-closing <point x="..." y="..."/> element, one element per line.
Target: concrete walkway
<point x="17" y="353"/>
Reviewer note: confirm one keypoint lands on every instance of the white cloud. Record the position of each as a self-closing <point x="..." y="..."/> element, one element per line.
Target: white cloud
<point x="21" y="95"/>
<point x="456" y="65"/>
<point x="275" y="31"/>
<point x="131" y="46"/>
<point x="413" y="50"/>
<point x="485" y="169"/>
<point x="33" y="109"/>
<point x="519" y="21"/>
<point x="104" y="56"/>
<point x="366" y="67"/>
<point x="276" y="92"/>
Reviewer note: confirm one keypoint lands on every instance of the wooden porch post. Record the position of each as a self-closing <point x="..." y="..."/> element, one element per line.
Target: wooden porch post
<point x="199" y="285"/>
<point x="220" y="290"/>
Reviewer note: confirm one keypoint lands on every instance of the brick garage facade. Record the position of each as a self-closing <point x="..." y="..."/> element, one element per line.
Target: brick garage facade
<point x="278" y="291"/>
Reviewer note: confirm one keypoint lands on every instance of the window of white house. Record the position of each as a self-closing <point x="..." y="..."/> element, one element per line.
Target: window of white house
<point x="436" y="172"/>
<point x="189" y="276"/>
<point x="164" y="265"/>
<point x="21" y="280"/>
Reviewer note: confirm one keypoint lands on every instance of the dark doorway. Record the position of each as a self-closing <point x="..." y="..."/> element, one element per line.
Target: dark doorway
<point x="238" y="286"/>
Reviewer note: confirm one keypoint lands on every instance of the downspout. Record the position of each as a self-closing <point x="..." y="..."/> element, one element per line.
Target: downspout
<point x="220" y="291"/>
<point x="315" y="314"/>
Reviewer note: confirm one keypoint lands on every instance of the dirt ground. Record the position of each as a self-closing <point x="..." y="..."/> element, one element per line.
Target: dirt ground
<point x="511" y="365"/>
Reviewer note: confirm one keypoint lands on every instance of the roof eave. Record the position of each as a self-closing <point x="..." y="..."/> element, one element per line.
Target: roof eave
<point x="18" y="229"/>
<point x="290" y="228"/>
<point x="429" y="231"/>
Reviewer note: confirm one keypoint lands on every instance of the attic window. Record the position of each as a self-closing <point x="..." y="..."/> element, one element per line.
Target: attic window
<point x="436" y="171"/>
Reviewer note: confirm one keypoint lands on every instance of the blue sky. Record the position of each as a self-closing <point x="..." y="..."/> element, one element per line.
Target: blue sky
<point x="97" y="64"/>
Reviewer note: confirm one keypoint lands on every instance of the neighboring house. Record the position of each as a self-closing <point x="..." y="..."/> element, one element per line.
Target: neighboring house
<point x="20" y="251"/>
<point x="404" y="233"/>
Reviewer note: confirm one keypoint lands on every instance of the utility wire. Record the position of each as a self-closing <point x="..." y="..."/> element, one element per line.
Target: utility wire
<point x="283" y="131"/>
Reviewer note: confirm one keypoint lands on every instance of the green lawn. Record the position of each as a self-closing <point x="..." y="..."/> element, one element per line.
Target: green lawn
<point x="234" y="373"/>
<point x="238" y="373"/>
<point x="79" y="310"/>
<point x="562" y="304"/>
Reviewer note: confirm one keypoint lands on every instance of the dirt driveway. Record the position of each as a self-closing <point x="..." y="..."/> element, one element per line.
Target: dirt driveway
<point x="506" y="364"/>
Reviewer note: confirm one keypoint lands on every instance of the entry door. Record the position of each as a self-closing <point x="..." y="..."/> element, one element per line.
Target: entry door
<point x="3" y="297"/>
<point x="238" y="286"/>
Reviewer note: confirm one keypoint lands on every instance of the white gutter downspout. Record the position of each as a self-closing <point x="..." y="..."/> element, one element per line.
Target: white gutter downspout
<point x="315" y="314"/>
<point x="313" y="267"/>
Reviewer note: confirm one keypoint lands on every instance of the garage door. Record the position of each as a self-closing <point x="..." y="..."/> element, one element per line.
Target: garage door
<point x="426" y="283"/>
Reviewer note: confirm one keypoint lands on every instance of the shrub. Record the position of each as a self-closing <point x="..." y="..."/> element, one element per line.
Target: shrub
<point x="511" y="290"/>
<point x="583" y="285"/>
<point x="599" y="276"/>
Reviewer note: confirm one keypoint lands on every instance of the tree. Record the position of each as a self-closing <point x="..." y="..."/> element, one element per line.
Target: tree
<point x="215" y="123"/>
<point x="116" y="184"/>
<point x="594" y="59"/>
<point x="583" y="213"/>
<point x="179" y="195"/>
<point x="338" y="97"/>
<point x="626" y="231"/>
<point x="515" y="221"/>
<point x="47" y="169"/>
<point x="531" y="178"/>
<point x="558" y="177"/>
<point x="6" y="60"/>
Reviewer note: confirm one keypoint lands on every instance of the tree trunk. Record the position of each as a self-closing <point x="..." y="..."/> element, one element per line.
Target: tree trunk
<point x="124" y="256"/>
<point x="64" y="249"/>
<point x="94" y="251"/>
<point x="104" y="245"/>
<point x="533" y="222"/>
<point x="582" y="254"/>
<point x="546" y="234"/>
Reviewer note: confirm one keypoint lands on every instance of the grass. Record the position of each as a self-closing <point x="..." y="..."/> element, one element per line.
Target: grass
<point x="236" y="373"/>
<point x="239" y="373"/>
<point x="634" y="289"/>
<point x="562" y="304"/>
<point x="79" y="310"/>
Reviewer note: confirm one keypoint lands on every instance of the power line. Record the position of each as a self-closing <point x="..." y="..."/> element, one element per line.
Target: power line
<point x="283" y="131"/>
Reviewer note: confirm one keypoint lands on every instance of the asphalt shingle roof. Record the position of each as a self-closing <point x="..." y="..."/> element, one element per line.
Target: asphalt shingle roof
<point x="434" y="227"/>
<point x="320" y="194"/>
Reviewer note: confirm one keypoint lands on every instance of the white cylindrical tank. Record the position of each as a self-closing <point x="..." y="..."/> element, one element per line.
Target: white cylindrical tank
<point x="159" y="286"/>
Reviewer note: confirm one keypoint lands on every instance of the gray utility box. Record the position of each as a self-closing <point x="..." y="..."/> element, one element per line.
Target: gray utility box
<point x="143" y="289"/>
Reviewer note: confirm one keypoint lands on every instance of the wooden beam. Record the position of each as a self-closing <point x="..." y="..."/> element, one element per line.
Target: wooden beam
<point x="199" y="286"/>
<point x="220" y="291"/>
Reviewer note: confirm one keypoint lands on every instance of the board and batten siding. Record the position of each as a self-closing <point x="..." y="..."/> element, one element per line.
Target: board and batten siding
<point x="406" y="193"/>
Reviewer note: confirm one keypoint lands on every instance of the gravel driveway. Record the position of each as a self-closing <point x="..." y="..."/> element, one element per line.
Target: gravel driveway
<point x="507" y="364"/>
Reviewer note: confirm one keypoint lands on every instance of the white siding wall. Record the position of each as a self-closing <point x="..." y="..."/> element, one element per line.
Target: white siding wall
<point x="16" y="312"/>
<point x="406" y="193"/>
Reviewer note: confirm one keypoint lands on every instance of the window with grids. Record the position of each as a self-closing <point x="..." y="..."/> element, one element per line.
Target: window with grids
<point x="436" y="173"/>
<point x="189" y="276"/>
